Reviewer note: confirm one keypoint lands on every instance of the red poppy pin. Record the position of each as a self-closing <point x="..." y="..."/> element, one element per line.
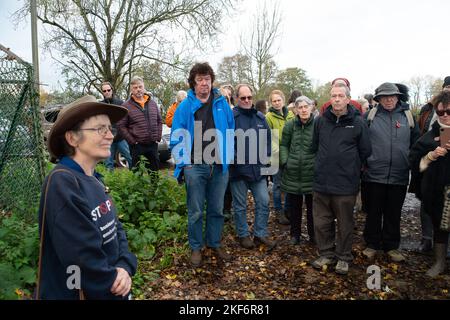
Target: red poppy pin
<point x="397" y="124"/>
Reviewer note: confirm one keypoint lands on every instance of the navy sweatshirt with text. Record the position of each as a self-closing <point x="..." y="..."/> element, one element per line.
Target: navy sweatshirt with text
<point x="81" y="232"/>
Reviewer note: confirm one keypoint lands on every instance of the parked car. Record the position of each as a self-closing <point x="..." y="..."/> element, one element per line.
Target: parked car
<point x="51" y="113"/>
<point x="21" y="142"/>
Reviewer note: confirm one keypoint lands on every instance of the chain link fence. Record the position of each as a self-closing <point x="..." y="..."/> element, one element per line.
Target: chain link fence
<point x="22" y="165"/>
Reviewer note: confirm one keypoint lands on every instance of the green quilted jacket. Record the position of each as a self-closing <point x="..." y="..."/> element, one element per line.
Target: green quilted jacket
<point x="296" y="156"/>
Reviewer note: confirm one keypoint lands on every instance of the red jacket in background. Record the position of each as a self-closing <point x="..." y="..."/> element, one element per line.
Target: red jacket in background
<point x="354" y="103"/>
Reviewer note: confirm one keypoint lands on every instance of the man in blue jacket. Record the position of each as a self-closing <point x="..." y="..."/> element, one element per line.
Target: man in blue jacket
<point x="202" y="142"/>
<point x="341" y="142"/>
<point x="252" y="154"/>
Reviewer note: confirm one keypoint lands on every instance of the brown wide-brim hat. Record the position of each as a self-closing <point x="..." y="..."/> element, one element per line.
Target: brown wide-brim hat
<point x="75" y="112"/>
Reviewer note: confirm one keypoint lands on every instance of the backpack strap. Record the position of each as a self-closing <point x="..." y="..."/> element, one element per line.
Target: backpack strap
<point x="410" y="118"/>
<point x="41" y="244"/>
<point x="371" y="115"/>
<point x="408" y="114"/>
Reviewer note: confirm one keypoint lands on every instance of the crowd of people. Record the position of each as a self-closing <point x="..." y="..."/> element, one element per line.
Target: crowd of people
<point x="226" y="145"/>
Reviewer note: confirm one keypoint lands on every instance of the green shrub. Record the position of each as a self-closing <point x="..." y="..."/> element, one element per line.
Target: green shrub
<point x="151" y="206"/>
<point x="19" y="251"/>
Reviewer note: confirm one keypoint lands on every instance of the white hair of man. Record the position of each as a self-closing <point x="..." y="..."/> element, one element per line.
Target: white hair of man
<point x="181" y="95"/>
<point x="342" y="85"/>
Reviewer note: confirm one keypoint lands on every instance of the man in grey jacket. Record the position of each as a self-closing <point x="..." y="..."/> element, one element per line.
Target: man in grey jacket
<point x="386" y="176"/>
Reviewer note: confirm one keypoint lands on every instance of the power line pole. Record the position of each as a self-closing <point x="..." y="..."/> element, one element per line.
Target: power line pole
<point x="34" y="44"/>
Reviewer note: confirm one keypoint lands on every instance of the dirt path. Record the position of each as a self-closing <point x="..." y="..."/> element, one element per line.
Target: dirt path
<point x="286" y="273"/>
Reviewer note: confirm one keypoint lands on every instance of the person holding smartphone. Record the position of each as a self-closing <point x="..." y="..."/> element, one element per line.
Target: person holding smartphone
<point x="430" y="164"/>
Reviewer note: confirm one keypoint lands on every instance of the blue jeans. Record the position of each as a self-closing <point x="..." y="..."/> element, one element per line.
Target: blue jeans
<point x="208" y="183"/>
<point x="122" y="147"/>
<point x="260" y="194"/>
<point x="276" y="191"/>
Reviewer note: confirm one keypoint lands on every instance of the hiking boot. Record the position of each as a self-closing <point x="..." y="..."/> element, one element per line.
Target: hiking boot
<point x="246" y="242"/>
<point x="440" y="252"/>
<point x="369" y="253"/>
<point x="426" y="246"/>
<point x="322" y="261"/>
<point x="221" y="254"/>
<point x="281" y="218"/>
<point x="196" y="258"/>
<point x="396" y="256"/>
<point x="341" y="267"/>
<point x="294" y="241"/>
<point x="264" y="240"/>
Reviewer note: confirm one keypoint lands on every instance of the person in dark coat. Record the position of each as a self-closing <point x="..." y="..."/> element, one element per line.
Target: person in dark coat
<point x="430" y="164"/>
<point x="427" y="117"/>
<point x="119" y="144"/>
<point x="252" y="154"/>
<point x="386" y="174"/>
<point x="142" y="127"/>
<point x="84" y="250"/>
<point x="341" y="143"/>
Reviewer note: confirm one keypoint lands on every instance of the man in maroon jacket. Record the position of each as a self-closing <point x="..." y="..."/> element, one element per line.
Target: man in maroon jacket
<point x="142" y="127"/>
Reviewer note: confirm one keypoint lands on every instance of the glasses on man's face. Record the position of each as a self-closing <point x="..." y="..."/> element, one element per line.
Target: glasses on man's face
<point x="441" y="112"/>
<point x="107" y="90"/>
<point x="103" y="130"/>
<point x="249" y="98"/>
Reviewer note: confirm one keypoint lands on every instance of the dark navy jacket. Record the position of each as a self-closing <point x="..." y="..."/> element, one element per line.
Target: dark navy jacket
<point x="249" y="155"/>
<point x="82" y="230"/>
<point x="342" y="146"/>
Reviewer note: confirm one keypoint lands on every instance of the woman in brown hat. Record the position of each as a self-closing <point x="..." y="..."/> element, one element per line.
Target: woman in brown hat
<point x="84" y="251"/>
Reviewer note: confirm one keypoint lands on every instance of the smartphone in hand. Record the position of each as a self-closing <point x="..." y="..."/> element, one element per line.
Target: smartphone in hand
<point x="444" y="136"/>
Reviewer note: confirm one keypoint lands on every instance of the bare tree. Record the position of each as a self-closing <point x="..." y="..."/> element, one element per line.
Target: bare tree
<point x="233" y="70"/>
<point x="259" y="46"/>
<point x="423" y="88"/>
<point x="108" y="39"/>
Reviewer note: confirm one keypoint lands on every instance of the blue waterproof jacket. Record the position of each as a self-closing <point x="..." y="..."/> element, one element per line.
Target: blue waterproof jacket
<point x="182" y="135"/>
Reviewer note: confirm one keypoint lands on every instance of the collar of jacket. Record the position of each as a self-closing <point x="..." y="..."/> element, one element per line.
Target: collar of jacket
<point x="72" y="164"/>
<point x="247" y="112"/>
<point x="400" y="107"/>
<point x="300" y="123"/>
<point x="284" y="112"/>
<point x="196" y="104"/>
<point x="346" y="117"/>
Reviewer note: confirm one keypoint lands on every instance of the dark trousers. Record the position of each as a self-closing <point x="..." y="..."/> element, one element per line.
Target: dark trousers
<point x="384" y="209"/>
<point x="327" y="208"/>
<point x="150" y="151"/>
<point x="296" y="212"/>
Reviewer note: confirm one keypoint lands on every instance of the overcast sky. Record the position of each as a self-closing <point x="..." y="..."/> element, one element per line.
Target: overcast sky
<point x="368" y="42"/>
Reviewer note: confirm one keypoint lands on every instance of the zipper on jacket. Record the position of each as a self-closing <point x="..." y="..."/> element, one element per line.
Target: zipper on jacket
<point x="390" y="159"/>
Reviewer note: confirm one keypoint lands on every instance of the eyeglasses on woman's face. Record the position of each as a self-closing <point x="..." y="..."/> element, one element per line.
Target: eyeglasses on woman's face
<point x="102" y="130"/>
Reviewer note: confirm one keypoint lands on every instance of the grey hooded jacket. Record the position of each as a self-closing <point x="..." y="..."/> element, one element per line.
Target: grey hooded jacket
<point x="391" y="139"/>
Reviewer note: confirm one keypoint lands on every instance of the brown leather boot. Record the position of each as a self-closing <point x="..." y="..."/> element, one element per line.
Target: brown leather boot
<point x="196" y="258"/>
<point x="246" y="242"/>
<point x="264" y="240"/>
<point x="220" y="253"/>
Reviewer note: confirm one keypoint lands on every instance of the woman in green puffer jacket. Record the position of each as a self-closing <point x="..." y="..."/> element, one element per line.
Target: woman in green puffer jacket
<point x="297" y="161"/>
